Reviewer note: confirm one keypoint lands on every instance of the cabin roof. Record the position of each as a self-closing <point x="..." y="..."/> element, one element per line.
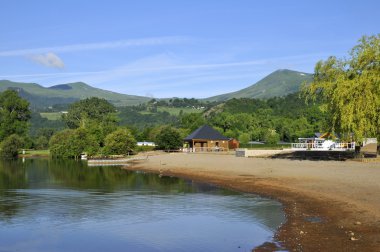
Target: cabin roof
<point x="206" y="132"/>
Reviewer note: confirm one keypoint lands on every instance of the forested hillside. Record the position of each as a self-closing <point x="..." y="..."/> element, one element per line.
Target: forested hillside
<point x="280" y="118"/>
<point x="285" y="118"/>
<point x="277" y="84"/>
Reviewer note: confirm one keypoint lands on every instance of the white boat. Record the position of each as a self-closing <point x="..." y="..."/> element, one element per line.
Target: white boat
<point x="322" y="144"/>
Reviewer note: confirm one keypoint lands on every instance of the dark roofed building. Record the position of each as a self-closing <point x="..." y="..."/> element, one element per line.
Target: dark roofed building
<point x="206" y="138"/>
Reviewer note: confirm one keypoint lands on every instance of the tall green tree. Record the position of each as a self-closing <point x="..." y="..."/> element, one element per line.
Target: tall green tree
<point x="14" y="114"/>
<point x="81" y="113"/>
<point x="168" y="139"/>
<point x="97" y="116"/>
<point x="192" y="121"/>
<point x="350" y="89"/>
<point x="223" y="120"/>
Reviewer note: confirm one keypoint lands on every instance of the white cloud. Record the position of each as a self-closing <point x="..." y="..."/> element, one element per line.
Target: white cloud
<point x="49" y="59"/>
<point x="98" y="46"/>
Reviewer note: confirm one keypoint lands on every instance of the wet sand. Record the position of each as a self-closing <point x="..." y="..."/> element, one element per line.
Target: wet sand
<point x="330" y="205"/>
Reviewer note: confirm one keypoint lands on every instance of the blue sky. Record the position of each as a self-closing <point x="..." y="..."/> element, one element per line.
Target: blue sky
<point x="174" y="48"/>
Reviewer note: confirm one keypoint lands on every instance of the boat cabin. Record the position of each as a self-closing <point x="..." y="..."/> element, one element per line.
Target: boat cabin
<point x="323" y="142"/>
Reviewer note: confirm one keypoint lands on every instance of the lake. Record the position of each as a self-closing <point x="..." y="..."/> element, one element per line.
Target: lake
<point x="64" y="205"/>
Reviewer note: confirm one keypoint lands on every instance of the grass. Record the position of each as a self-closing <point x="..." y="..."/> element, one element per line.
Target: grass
<point x="145" y="113"/>
<point x="52" y="116"/>
<point x="176" y="111"/>
<point x="35" y="153"/>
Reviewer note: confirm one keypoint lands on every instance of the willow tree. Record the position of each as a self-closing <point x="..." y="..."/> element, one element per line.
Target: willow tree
<point x="350" y="89"/>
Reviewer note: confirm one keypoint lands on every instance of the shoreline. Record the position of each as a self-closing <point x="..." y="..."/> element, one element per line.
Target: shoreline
<point x="329" y="205"/>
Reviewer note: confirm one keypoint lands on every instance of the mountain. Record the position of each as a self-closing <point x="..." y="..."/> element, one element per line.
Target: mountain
<point x="278" y="83"/>
<point x="40" y="96"/>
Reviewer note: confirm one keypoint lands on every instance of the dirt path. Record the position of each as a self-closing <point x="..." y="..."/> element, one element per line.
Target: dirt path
<point x="330" y="205"/>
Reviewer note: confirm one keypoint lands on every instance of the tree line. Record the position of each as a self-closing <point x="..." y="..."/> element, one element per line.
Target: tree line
<point x="344" y="97"/>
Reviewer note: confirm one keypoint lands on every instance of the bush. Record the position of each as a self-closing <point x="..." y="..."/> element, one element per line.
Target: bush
<point x="119" y="142"/>
<point x="9" y="147"/>
<point x="72" y="143"/>
<point x="271" y="137"/>
<point x="244" y="138"/>
<point x="41" y="143"/>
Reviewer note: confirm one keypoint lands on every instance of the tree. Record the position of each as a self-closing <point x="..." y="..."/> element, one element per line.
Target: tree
<point x="71" y="143"/>
<point x="9" y="147"/>
<point x="350" y="89"/>
<point x="168" y="139"/>
<point x="42" y="137"/>
<point x="97" y="116"/>
<point x="223" y="120"/>
<point x="192" y="121"/>
<point x="244" y="138"/>
<point x="271" y="137"/>
<point x="14" y="114"/>
<point x="90" y="109"/>
<point x="119" y="142"/>
<point x="41" y="143"/>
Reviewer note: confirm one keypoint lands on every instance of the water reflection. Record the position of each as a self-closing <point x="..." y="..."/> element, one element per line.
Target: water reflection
<point x="75" y="207"/>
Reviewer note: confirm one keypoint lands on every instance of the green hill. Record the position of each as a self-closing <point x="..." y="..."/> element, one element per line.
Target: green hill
<point x="276" y="84"/>
<point x="40" y="96"/>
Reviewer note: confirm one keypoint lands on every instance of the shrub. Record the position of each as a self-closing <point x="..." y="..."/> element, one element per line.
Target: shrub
<point x="271" y="136"/>
<point x="72" y="143"/>
<point x="119" y="142"/>
<point x="9" y="147"/>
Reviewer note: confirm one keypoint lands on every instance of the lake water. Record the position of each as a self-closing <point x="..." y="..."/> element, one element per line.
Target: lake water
<point x="48" y="205"/>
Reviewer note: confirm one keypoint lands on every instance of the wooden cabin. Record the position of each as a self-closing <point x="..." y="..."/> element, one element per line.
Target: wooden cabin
<point x="206" y="139"/>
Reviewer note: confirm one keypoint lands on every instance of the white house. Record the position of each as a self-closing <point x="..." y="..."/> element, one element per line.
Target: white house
<point x="146" y="144"/>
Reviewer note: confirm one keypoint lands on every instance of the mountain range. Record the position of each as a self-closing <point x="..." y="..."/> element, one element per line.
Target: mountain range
<point x="278" y="83"/>
<point x="40" y="96"/>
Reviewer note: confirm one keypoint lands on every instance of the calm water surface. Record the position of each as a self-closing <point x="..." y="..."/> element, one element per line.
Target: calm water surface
<point x="48" y="205"/>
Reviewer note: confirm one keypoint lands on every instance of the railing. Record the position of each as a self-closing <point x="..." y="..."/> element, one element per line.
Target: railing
<point x="344" y="146"/>
<point x="306" y="146"/>
<point x="338" y="146"/>
<point x="369" y="141"/>
<point x="205" y="149"/>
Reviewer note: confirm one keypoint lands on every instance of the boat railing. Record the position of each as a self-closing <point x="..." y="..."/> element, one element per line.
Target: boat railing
<point x="337" y="146"/>
<point x="344" y="145"/>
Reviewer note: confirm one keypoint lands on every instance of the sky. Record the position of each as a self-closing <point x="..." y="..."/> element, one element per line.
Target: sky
<point x="168" y="48"/>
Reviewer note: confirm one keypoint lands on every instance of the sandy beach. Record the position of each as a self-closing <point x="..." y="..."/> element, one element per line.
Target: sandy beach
<point x="330" y="205"/>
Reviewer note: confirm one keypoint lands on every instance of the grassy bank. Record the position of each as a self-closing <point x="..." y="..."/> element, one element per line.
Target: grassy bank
<point x="34" y="153"/>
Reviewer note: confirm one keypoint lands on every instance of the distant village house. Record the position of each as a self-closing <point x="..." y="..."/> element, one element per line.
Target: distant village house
<point x="146" y="144"/>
